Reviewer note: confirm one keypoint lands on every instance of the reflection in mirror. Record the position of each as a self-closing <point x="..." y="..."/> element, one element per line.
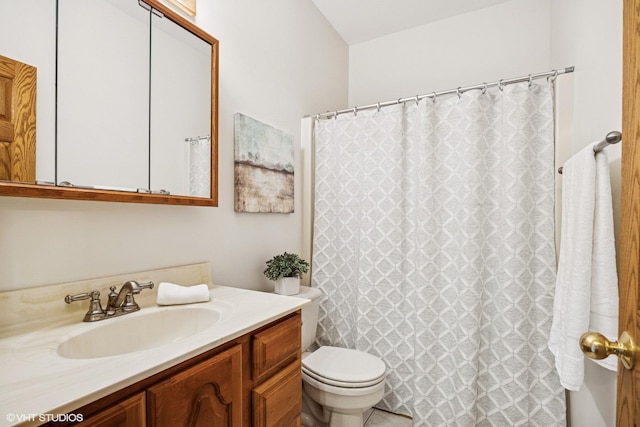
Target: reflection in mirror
<point x="103" y="93"/>
<point x="17" y="121"/>
<point x="37" y="19"/>
<point x="180" y="110"/>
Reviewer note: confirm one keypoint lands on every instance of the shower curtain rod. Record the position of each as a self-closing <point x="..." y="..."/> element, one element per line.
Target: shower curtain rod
<point x="459" y="91"/>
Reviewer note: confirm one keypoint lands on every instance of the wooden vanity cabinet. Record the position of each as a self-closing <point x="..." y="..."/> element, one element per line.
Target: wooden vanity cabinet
<point x="254" y="380"/>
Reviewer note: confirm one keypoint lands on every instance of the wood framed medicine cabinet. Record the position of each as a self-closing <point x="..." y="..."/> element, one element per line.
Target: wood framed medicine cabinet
<point x="53" y="191"/>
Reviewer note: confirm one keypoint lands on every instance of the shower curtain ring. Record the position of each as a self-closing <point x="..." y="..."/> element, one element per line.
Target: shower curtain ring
<point x="552" y="78"/>
<point x="458" y="92"/>
<point x="530" y="80"/>
<point x="378" y="106"/>
<point x="417" y="99"/>
<point x="500" y="85"/>
<point x="435" y="96"/>
<point x="335" y="114"/>
<point x="355" y="111"/>
<point x="484" y="89"/>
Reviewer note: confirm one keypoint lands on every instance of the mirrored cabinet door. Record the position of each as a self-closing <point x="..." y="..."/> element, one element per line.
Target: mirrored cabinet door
<point x="37" y="19"/>
<point x="103" y="93"/>
<point x="180" y="123"/>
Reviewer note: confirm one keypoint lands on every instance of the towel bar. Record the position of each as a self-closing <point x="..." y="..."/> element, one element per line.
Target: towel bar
<point x="612" y="137"/>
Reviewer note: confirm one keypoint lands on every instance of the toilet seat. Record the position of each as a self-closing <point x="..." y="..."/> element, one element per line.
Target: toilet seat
<point x="343" y="367"/>
<point x="356" y="392"/>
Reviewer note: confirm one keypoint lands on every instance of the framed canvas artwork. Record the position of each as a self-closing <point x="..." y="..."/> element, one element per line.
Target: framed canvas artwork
<point x="263" y="168"/>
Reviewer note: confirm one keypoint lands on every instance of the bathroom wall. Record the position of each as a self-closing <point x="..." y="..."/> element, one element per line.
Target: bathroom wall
<point x="509" y="40"/>
<point x="279" y="60"/>
<point x="588" y="34"/>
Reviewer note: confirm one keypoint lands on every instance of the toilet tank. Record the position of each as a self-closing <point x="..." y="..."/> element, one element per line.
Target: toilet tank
<point x="309" y="315"/>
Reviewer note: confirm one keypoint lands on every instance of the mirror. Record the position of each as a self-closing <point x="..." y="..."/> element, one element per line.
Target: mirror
<point x="38" y="20"/>
<point x="180" y="110"/>
<point x="139" y="117"/>
<point x="103" y="93"/>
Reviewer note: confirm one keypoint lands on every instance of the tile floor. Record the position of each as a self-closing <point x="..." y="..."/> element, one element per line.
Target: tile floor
<point x="378" y="418"/>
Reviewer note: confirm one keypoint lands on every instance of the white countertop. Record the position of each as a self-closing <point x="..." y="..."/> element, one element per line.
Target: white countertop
<point x="36" y="382"/>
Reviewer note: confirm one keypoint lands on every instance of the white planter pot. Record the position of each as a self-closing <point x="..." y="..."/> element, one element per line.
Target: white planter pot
<point x="288" y="286"/>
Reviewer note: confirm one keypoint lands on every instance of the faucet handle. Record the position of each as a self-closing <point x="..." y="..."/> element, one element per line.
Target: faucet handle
<point x="71" y="298"/>
<point x="138" y="287"/>
<point x="95" y="308"/>
<point x="146" y="285"/>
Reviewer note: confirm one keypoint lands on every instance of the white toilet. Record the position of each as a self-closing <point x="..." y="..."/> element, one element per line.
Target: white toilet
<point x="338" y="384"/>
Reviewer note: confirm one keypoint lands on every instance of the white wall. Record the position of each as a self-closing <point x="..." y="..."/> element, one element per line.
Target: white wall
<point x="509" y="40"/>
<point x="588" y="35"/>
<point x="279" y="60"/>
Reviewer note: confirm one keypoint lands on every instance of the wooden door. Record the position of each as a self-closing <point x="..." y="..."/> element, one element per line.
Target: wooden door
<point x="628" y="401"/>
<point x="17" y="121"/>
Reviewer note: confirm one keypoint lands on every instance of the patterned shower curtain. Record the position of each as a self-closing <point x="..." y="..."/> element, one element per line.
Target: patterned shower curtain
<point x="434" y="248"/>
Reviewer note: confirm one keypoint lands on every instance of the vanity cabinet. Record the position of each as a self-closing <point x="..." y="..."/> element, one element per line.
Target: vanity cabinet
<point x="253" y="380"/>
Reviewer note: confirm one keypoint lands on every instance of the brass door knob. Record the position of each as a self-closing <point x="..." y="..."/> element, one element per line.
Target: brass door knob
<point x="597" y="346"/>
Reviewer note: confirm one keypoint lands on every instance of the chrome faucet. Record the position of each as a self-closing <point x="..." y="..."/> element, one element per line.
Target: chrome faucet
<point x="118" y="303"/>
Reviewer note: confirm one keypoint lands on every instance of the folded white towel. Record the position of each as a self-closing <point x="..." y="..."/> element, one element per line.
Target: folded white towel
<point x="171" y="294"/>
<point x="586" y="295"/>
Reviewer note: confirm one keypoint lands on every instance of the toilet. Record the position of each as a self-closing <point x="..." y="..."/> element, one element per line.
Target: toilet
<point x="338" y="384"/>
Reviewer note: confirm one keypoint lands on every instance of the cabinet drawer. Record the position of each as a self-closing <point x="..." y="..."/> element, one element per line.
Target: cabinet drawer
<point x="276" y="347"/>
<point x="278" y="401"/>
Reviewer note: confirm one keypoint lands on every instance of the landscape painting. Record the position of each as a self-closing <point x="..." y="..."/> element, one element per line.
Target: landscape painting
<point x="263" y="167"/>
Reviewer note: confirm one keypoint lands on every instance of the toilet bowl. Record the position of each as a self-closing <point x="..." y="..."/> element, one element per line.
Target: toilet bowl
<point x="338" y="384"/>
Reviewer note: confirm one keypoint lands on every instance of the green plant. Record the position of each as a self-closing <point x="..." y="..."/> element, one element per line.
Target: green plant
<point x="286" y="265"/>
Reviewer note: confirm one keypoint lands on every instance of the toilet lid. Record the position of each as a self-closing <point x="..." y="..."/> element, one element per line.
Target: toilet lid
<point x="343" y="365"/>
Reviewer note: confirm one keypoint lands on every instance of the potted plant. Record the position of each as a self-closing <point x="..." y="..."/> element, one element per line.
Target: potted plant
<point x="286" y="270"/>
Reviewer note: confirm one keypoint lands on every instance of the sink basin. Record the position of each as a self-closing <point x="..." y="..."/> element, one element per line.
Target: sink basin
<point x="138" y="331"/>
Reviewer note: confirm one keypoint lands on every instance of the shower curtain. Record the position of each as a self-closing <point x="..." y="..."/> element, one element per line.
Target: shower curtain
<point x="434" y="249"/>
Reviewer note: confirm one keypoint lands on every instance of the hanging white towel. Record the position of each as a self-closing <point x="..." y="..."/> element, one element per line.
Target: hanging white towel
<point x="586" y="295"/>
<point x="604" y="278"/>
<point x="172" y="294"/>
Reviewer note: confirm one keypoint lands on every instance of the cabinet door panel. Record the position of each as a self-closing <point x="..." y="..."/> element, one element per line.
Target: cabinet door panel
<point x="276" y="347"/>
<point x="207" y="394"/>
<point x="278" y="401"/>
<point x="129" y="412"/>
